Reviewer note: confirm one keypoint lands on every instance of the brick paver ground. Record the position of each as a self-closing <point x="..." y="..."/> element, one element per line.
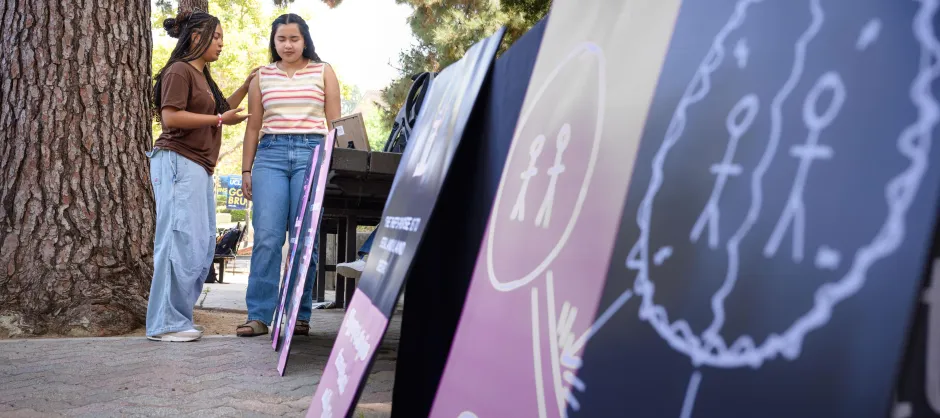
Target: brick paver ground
<point x="217" y="376"/>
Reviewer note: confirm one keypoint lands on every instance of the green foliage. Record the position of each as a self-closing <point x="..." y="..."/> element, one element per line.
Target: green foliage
<point x="351" y="96"/>
<point x="445" y="29"/>
<point x="376" y="130"/>
<point x="238" y="215"/>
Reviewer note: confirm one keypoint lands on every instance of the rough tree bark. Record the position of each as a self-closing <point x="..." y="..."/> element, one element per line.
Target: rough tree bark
<point x="191" y="5"/>
<point x="76" y="205"/>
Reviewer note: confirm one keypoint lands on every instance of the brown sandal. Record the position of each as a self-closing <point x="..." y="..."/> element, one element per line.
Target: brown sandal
<point x="302" y="328"/>
<point x="251" y="328"/>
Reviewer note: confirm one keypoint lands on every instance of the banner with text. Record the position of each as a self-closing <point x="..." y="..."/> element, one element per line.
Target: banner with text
<point x="421" y="174"/>
<point x="232" y="190"/>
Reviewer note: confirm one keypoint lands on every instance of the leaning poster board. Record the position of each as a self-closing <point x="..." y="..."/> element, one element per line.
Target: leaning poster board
<point x="421" y="173"/>
<point x="546" y="247"/>
<point x="296" y="255"/>
<point x="771" y="249"/>
<point x="293" y="295"/>
<point x="811" y="222"/>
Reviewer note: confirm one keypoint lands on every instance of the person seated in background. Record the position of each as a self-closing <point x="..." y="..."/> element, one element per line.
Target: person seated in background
<point x="353" y="269"/>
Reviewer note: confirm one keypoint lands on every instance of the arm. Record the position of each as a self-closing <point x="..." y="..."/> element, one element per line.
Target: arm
<point x="236" y="98"/>
<point x="250" y="146"/>
<point x="332" y="105"/>
<point x="181" y="119"/>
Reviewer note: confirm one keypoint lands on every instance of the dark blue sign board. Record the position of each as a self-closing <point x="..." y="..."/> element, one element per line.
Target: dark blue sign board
<point x="774" y="239"/>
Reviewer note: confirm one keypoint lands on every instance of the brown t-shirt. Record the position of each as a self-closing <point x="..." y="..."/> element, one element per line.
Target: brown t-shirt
<point x="185" y="88"/>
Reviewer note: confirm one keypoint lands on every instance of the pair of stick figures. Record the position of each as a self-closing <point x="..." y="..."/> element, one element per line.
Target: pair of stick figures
<point x="544" y="214"/>
<point x="738" y="122"/>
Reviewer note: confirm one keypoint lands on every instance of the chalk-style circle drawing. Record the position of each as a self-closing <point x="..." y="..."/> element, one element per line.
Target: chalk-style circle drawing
<point x="511" y="283"/>
<point x="746" y="110"/>
<point x="829" y="81"/>
<point x="913" y="143"/>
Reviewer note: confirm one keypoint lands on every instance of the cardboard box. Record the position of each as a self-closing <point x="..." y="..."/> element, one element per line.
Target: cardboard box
<point x="351" y="128"/>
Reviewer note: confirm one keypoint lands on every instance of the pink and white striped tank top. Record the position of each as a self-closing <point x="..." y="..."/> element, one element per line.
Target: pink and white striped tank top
<point x="293" y="105"/>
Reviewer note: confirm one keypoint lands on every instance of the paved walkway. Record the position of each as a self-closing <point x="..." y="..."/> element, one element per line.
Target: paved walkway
<point x="217" y="376"/>
<point x="230" y="295"/>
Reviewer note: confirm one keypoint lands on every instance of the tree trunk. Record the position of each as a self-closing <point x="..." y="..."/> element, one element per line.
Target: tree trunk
<point x="76" y="205"/>
<point x="190" y="5"/>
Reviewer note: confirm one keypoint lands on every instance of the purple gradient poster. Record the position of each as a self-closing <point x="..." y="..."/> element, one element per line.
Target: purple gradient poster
<point x="545" y="254"/>
<point x="359" y="338"/>
<point x="294" y="246"/>
<point x="309" y="236"/>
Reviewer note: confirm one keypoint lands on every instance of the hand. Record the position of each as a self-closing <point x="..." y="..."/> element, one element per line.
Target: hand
<point x="232" y="117"/>
<point x="246" y="184"/>
<point x="251" y="75"/>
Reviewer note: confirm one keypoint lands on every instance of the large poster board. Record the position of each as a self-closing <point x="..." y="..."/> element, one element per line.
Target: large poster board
<point x="544" y="255"/>
<point x="294" y="295"/>
<point x="771" y="249"/>
<point x="788" y="275"/>
<point x="421" y="173"/>
<point x="301" y="222"/>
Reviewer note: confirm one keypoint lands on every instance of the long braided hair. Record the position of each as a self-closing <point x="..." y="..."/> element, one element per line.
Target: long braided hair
<point x="182" y="28"/>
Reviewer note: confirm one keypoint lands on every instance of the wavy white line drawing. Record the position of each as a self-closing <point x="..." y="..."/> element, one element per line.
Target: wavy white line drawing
<point x="913" y="143"/>
<point x="579" y="50"/>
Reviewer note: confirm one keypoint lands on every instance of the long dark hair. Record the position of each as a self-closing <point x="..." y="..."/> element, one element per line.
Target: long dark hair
<point x="183" y="27"/>
<point x="310" y="51"/>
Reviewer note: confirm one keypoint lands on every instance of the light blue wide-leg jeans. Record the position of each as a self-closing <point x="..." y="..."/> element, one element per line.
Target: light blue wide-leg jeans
<point x="277" y="183"/>
<point x="184" y="243"/>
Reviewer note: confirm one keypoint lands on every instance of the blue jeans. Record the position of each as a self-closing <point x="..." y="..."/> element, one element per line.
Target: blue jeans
<point x="367" y="245"/>
<point x="184" y="242"/>
<point x="277" y="184"/>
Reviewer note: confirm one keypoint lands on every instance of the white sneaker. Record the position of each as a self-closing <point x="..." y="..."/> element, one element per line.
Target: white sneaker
<point x="199" y="328"/>
<point x="177" y="337"/>
<point x="353" y="269"/>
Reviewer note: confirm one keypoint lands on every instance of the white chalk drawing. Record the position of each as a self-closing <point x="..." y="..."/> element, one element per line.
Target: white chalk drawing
<point x="544" y="215"/>
<point x="535" y="150"/>
<point x="662" y="255"/>
<point x="326" y="404"/>
<point x="828" y="258"/>
<point x="582" y="50"/>
<point x="868" y="35"/>
<point x="564" y="348"/>
<point x="428" y="143"/>
<point x="913" y="143"/>
<point x="739" y="120"/>
<point x="932" y="372"/>
<point x="341" y="377"/>
<point x="795" y="213"/>
<point x="711" y="349"/>
<point x="688" y="402"/>
<point x="444" y="116"/>
<point x="741" y="53"/>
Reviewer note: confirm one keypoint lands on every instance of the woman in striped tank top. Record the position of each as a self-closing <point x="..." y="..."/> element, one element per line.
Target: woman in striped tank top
<point x="300" y="95"/>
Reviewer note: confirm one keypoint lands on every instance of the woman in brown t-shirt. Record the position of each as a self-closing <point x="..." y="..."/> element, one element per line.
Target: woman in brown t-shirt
<point x="192" y="110"/>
